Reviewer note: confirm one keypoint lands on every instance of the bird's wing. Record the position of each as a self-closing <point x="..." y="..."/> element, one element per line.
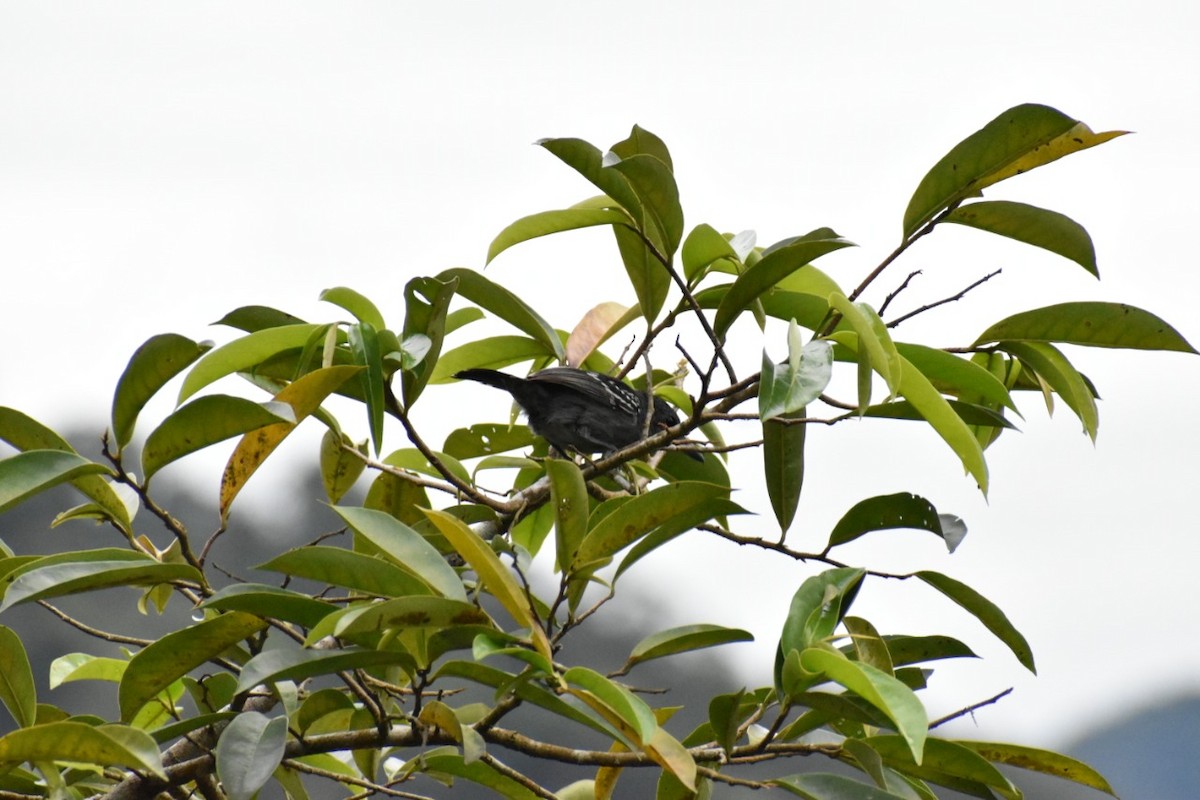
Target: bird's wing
<point x="599" y="388"/>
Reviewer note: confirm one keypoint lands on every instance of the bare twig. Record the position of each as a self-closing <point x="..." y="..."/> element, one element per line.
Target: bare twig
<point x="943" y="301"/>
<point x="887" y="301"/>
<point x="116" y="638"/>
<point x="971" y="709"/>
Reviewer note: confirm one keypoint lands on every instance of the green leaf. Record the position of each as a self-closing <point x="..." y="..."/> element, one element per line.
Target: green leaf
<point x="505" y="305"/>
<point x="166" y="660"/>
<point x="304" y="396"/>
<point x="494" y="576"/>
<point x="257" y="318"/>
<point x="683" y="639"/>
<point x="816" y="607"/>
<point x="206" y="421"/>
<point x="918" y="649"/>
<point x="418" y="611"/>
<point x="364" y="342"/>
<point x="371" y="575"/>
<point x="272" y="602"/>
<point x="487" y="439"/>
<point x="1054" y="368"/>
<point x="917" y="389"/>
<point x="985" y="611"/>
<point x="783" y="465"/>
<point x="827" y="786"/>
<point x="442" y="762"/>
<point x="715" y="507"/>
<point x="547" y="222"/>
<point x="569" y="498"/>
<point x="954" y="375"/>
<point x="104" y="746"/>
<point x="25" y="433"/>
<point x="17" y="689"/>
<point x="249" y="750"/>
<point x="902" y="510"/>
<point x="409" y="549"/>
<point x="945" y="762"/>
<point x="778" y="263"/>
<point x="879" y="689"/>
<point x="588" y="161"/>
<point x="702" y="247"/>
<point x="57" y="580"/>
<point x="358" y="305"/>
<point x="873" y="342"/>
<point x="339" y="469"/>
<point x="242" y="354"/>
<point x="1092" y="324"/>
<point x="1039" y="227"/>
<point x="1045" y="761"/>
<point x="725" y="717"/>
<point x="1020" y="139"/>
<point x="34" y="471"/>
<point x="495" y="352"/>
<point x="649" y="279"/>
<point x="653" y="182"/>
<point x="426" y="302"/>
<point x="159" y="359"/>
<point x="791" y="385"/>
<point x="280" y="664"/>
<point x="614" y="702"/>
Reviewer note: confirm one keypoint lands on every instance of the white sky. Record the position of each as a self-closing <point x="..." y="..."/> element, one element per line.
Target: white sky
<point x="161" y="164"/>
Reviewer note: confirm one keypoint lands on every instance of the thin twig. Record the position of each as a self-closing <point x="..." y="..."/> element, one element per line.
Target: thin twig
<point x="300" y="766"/>
<point x="943" y="301"/>
<point x="971" y="709"/>
<point x="116" y="638"/>
<point x="887" y="301"/>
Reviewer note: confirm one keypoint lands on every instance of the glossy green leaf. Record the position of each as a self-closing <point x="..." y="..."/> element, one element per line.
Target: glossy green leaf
<point x="304" y="396"/>
<point x="902" y="510"/>
<point x="871" y="341"/>
<point x="702" y="247"/>
<point x="242" y="354"/>
<point x="443" y="762"/>
<point x="17" y="689"/>
<point x="177" y="653"/>
<point x="494" y="352"/>
<point x="26" y="474"/>
<point x="272" y="602"/>
<point x="783" y="465"/>
<point x="1054" y="368"/>
<point x="569" y="498"/>
<point x="295" y="664"/>
<point x="494" y="576"/>
<point x="104" y="746"/>
<point x="204" y="422"/>
<point x="985" y="611"/>
<point x="612" y="701"/>
<point x="649" y="279"/>
<point x="588" y="161"/>
<point x="371" y="575"/>
<point x="715" y="507"/>
<point x="159" y="359"/>
<point x="970" y="413"/>
<point x="776" y="264"/>
<point x="919" y="649"/>
<point x="256" y="318"/>
<point x="407" y="548"/>
<point x="945" y="762"/>
<point x="879" y="689"/>
<point x="1092" y="324"/>
<point x="917" y="389"/>
<point x="955" y="375"/>
<point x="249" y="750"/>
<point x="867" y="646"/>
<point x="827" y="786"/>
<point x="357" y="304"/>
<point x="340" y="469"/>
<point x="547" y="222"/>
<point x="426" y="302"/>
<point x="816" y="607"/>
<point x="684" y="639"/>
<point x="364" y="342"/>
<point x="725" y="717"/>
<point x="418" y="611"/>
<point x="487" y="439"/>
<point x="653" y="182"/>
<point x="1039" y="227"/>
<point x="1037" y="760"/>
<point x="1022" y="138"/>
<point x="507" y="306"/>
<point x="25" y="433"/>
<point x="787" y="387"/>
<point x="67" y="578"/>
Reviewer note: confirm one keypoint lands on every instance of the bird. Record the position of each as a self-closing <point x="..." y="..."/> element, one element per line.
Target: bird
<point x="580" y="410"/>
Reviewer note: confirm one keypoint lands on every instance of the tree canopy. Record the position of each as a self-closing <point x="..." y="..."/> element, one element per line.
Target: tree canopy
<point x="392" y="655"/>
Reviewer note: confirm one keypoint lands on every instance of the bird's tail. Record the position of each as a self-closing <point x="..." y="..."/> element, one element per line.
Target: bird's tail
<point x="492" y="377"/>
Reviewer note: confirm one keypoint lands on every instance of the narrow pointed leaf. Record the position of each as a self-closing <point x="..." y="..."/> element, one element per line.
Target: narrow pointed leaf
<point x="360" y="306"/>
<point x="409" y="549"/>
<point x="647" y="275"/>
<point x="207" y="421"/>
<point x="1037" y="760"/>
<point x="985" y="611"/>
<point x="305" y="396"/>
<point x="26" y="474"/>
<point x="62" y="579"/>
<point x="1092" y="324"/>
<point x="249" y="750"/>
<point x="827" y="786"/>
<point x="569" y="498"/>
<point x="104" y="746"/>
<point x="945" y="762"/>
<point x="17" y="689"/>
<point x="1020" y="139"/>
<point x="902" y="510"/>
<point x="419" y="611"/>
<point x="917" y="389"/>
<point x="955" y="375"/>
<point x="364" y="342"/>
<point x="505" y="305"/>
<point x="588" y="161"/>
<point x="158" y="665"/>
<point x="159" y="359"/>
<point x="271" y="602"/>
<point x="683" y="639"/>
<point x="295" y="664"/>
<point x="1039" y="227"/>
<point x="639" y="515"/>
<point x="427" y="304"/>
<point x="654" y="184"/>
<point x="783" y="465"/>
<point x="494" y="576"/>
<point x="1054" y="368"/>
<point x="615" y="702"/>
<point x="547" y="222"/>
<point x="244" y="353"/>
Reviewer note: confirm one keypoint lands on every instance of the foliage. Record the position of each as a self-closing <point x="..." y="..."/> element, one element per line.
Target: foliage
<point x="435" y="590"/>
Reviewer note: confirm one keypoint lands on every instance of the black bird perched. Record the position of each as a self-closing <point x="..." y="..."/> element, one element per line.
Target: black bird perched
<point x="580" y="410"/>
